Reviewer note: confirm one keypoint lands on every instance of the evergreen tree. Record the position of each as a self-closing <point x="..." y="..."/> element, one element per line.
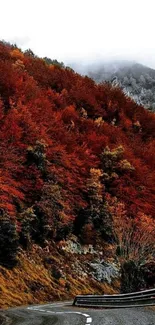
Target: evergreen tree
<point x="8" y="243"/>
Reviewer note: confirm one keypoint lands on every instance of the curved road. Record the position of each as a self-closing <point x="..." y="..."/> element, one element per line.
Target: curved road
<point x="65" y="314"/>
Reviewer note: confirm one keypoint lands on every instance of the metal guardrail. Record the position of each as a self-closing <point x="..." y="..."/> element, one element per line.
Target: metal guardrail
<point x="134" y="299"/>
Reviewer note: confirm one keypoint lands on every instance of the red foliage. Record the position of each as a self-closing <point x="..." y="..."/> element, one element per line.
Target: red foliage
<point x="44" y="103"/>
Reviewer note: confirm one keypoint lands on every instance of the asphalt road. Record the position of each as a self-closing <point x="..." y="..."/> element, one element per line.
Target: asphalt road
<point x="65" y="314"/>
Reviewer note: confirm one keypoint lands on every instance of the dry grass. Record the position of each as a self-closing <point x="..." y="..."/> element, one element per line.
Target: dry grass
<point x="32" y="281"/>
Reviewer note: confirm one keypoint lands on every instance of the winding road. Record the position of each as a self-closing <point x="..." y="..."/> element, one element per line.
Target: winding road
<point x="66" y="314"/>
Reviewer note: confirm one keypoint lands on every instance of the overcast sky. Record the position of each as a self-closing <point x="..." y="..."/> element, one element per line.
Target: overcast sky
<point x="81" y="30"/>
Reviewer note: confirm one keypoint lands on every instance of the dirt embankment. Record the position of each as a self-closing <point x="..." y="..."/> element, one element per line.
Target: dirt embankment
<point x="49" y="274"/>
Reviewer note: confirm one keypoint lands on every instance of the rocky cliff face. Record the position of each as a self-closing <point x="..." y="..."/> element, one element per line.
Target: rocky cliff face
<point x="104" y="271"/>
<point x="90" y="262"/>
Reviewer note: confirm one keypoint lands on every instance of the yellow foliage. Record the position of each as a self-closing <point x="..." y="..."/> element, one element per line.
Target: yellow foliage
<point x="96" y="173"/>
<point x="17" y="54"/>
<point x="99" y="121"/>
<point x="125" y="165"/>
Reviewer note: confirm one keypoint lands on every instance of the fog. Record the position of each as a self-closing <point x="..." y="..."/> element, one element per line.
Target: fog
<point x="82" y="31"/>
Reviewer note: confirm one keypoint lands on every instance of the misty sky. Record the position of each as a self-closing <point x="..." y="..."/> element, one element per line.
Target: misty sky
<point x="82" y="30"/>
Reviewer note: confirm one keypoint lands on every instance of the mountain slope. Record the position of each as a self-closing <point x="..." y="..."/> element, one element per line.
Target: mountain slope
<point x="77" y="161"/>
<point x="136" y="80"/>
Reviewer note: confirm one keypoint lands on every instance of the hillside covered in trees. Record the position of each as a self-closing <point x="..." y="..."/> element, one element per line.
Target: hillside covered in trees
<point x="76" y="159"/>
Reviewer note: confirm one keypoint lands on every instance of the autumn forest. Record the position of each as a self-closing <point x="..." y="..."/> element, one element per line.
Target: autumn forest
<point x="76" y="158"/>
